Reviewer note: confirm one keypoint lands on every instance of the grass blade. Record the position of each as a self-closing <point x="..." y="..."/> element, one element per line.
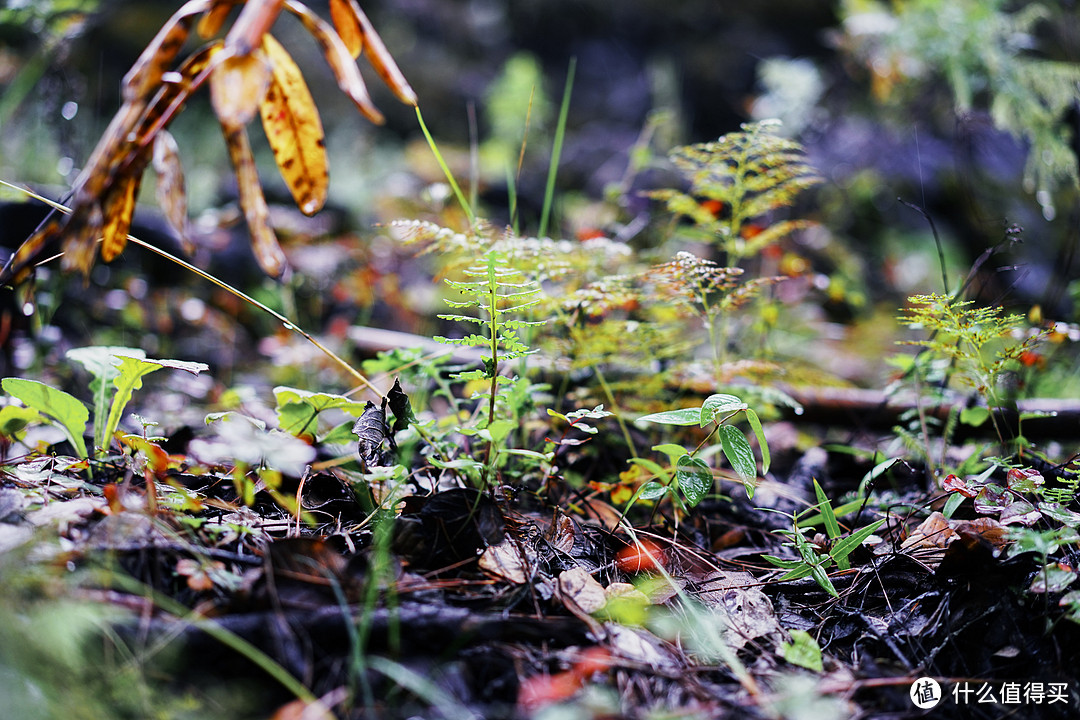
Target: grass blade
<point x="556" y="151"/>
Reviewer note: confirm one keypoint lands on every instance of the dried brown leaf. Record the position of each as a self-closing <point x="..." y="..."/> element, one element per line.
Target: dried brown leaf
<point x="170" y="193"/>
<point x="213" y="19"/>
<point x="145" y="75"/>
<point x="18" y="267"/>
<point x="81" y="236"/>
<point x="294" y="130"/>
<point x="119" y="206"/>
<point x="381" y="59"/>
<point x="340" y="60"/>
<point x="238" y="84"/>
<point x="347" y="26"/>
<point x="264" y="243"/>
<point x="254" y="21"/>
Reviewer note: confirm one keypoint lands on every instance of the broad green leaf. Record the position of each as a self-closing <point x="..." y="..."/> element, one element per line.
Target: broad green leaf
<point x="60" y="407"/>
<point x="694" y="479"/>
<point x="755" y="425"/>
<point x="340" y="435"/>
<point x="672" y="450"/>
<point x="298" y="410"/>
<point x="954" y="501"/>
<point x="974" y="416"/>
<point x="719" y="404"/>
<point x="652" y="490"/>
<point x="655" y="468"/>
<point x="129" y="380"/>
<point x="15" y="418"/>
<point x="685" y="416"/>
<point x="100" y="362"/>
<point x="739" y="453"/>
<point x="803" y="651"/>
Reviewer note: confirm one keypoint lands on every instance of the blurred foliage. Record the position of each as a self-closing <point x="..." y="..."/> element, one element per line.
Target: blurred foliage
<point x="992" y="55"/>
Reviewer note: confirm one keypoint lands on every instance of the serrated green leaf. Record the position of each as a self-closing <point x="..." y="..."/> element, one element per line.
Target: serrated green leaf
<point x="694" y="479"/>
<point x="685" y="416"/>
<point x="719" y="404"/>
<point x="66" y="411"/>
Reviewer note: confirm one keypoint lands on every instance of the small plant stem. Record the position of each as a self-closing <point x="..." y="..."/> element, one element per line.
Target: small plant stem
<point x="286" y="323"/>
<point x="229" y="639"/>
<point x="614" y="406"/>
<point x="493" y="310"/>
<point x="560" y="133"/>
<point x="446" y="169"/>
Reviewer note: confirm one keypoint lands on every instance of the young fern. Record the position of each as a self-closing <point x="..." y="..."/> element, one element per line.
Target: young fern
<point x="498" y="292"/>
<point x="737" y="183"/>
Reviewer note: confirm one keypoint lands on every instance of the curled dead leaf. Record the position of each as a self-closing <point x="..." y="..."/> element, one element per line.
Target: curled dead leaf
<point x="213" y="19"/>
<point x="238" y="84"/>
<point x="119" y="207"/>
<point x="294" y="130"/>
<point x="254" y="21"/>
<point x="381" y="59"/>
<point x="347" y="26"/>
<point x="145" y="75"/>
<point x="80" y="245"/>
<point x="171" y="197"/>
<point x="264" y="243"/>
<point x="340" y="60"/>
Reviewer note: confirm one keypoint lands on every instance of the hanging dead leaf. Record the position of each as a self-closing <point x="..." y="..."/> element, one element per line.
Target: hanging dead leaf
<point x="294" y="130"/>
<point x="80" y="243"/>
<point x="347" y="26"/>
<point x="254" y="21"/>
<point x="145" y="75"/>
<point x="119" y="206"/>
<point x="263" y="241"/>
<point x="19" y="265"/>
<point x="341" y="62"/>
<point x="170" y="193"/>
<point x="213" y="19"/>
<point x="381" y="59"/>
<point x="238" y="85"/>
